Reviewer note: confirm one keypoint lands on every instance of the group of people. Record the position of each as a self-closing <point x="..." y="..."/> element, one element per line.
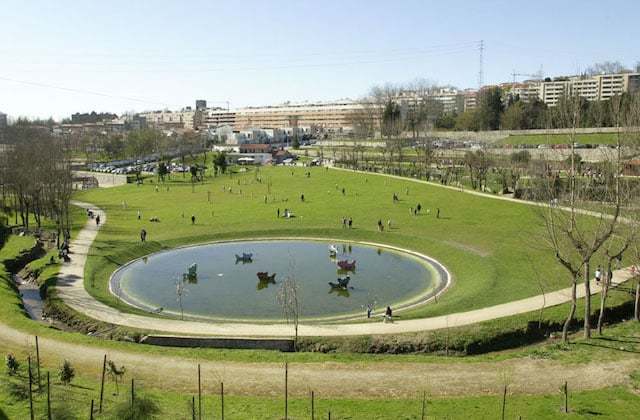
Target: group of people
<point x="287" y="213"/>
<point x="347" y="222"/>
<point x="388" y="313"/>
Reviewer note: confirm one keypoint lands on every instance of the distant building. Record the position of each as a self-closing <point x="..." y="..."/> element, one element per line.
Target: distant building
<point x="334" y="117"/>
<point x="3" y="121"/>
<point x="601" y="87"/>
<point x="201" y="104"/>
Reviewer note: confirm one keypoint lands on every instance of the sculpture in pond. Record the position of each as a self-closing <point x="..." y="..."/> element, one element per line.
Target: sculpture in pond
<point x="264" y="276"/>
<point x="191" y="275"/>
<point x="333" y="250"/>
<point x="245" y="257"/>
<point x="264" y="279"/>
<point x="347" y="265"/>
<point x="343" y="283"/>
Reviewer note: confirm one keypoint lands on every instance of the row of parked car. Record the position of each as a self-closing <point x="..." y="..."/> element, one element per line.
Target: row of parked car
<point x="132" y="168"/>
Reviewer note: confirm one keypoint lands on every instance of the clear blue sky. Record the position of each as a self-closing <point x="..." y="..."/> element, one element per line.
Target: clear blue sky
<point x="168" y="53"/>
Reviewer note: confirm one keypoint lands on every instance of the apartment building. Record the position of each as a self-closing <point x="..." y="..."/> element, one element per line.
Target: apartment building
<point x="593" y="88"/>
<point x="336" y="117"/>
<point x="187" y="118"/>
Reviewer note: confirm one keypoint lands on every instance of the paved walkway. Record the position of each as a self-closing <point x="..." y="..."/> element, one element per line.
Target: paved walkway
<point x="71" y="289"/>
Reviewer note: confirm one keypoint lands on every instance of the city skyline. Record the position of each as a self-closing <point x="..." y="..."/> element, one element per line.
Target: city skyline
<point x="119" y="58"/>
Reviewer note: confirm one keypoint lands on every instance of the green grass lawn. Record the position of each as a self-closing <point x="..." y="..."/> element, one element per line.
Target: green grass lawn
<point x="75" y="401"/>
<point x="493" y="249"/>
<point x="535" y="139"/>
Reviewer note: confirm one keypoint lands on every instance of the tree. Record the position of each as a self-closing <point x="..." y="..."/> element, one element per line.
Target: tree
<point x="163" y="170"/>
<point x="606" y="67"/>
<point x="514" y="117"/>
<point x="468" y="121"/>
<point x="391" y="122"/>
<point x="574" y="236"/>
<point x="220" y="163"/>
<point x="490" y="108"/>
<point x="291" y="303"/>
<point x="115" y="373"/>
<point x="66" y="373"/>
<point x="478" y="164"/>
<point x="12" y="364"/>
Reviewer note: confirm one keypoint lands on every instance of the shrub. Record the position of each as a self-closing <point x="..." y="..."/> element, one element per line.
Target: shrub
<point x="66" y="373"/>
<point x="143" y="408"/>
<point x="12" y="364"/>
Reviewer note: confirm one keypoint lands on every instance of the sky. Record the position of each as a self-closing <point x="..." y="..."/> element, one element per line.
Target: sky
<point x="60" y="57"/>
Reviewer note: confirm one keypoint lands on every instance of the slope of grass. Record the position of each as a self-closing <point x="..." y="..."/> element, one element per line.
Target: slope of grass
<point x="491" y="247"/>
<point x="535" y="139"/>
<point x="75" y="400"/>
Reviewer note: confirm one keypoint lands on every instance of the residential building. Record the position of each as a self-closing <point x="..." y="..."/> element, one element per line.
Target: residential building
<point x="187" y="118"/>
<point x="599" y="87"/>
<point x="334" y="117"/>
<point x="201" y="105"/>
<point x="470" y="99"/>
<point x="3" y="121"/>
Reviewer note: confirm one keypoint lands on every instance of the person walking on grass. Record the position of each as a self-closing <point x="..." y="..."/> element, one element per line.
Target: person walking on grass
<point x="98" y="220"/>
<point x="350" y="222"/>
<point x="598" y="275"/>
<point x="139" y="215"/>
<point x="438" y="213"/>
<point x="143" y="236"/>
<point x="278" y="213"/>
<point x="193" y="219"/>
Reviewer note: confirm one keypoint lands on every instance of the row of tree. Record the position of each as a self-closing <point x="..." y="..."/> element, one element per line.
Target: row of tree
<point x="35" y="177"/>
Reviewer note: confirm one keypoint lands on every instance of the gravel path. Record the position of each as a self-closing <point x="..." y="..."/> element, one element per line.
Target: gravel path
<point x="71" y="289"/>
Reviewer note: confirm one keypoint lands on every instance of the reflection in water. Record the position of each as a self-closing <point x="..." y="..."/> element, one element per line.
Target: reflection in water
<point x="191" y="278"/>
<point x="340" y="292"/>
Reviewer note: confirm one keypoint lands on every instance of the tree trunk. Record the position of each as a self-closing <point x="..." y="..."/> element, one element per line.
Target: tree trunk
<point x="603" y="298"/>
<point x="587" y="302"/>
<point x="637" y="303"/>
<point x="572" y="311"/>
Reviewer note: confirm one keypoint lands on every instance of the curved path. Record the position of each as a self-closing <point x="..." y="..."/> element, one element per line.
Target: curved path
<point x="71" y="289"/>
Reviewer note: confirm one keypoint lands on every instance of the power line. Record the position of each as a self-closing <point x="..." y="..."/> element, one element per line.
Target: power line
<point x="82" y="91"/>
<point x="481" y="69"/>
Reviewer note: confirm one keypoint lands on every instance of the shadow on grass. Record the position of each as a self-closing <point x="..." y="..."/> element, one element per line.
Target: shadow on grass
<point x="609" y="347"/>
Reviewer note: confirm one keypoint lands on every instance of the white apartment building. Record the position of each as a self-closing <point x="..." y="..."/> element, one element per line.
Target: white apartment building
<point x="187" y="118"/>
<point x="336" y="116"/>
<point x="599" y="87"/>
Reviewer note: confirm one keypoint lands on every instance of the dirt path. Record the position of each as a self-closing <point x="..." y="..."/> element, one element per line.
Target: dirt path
<point x="349" y="380"/>
<point x="71" y="289"/>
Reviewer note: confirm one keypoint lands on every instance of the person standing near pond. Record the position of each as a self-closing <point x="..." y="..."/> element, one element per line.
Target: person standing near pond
<point x="350" y="222"/>
<point x="143" y="236"/>
<point x="388" y="315"/>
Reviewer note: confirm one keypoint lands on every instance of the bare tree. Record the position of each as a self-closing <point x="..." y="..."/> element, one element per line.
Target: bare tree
<point x="291" y="302"/>
<point x="576" y="225"/>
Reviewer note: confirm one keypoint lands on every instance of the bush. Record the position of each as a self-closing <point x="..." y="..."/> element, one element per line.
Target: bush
<point x="66" y="373"/>
<point x="143" y="408"/>
<point x="12" y="364"/>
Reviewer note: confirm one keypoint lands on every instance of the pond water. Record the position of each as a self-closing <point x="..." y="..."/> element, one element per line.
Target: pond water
<point x="225" y="287"/>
